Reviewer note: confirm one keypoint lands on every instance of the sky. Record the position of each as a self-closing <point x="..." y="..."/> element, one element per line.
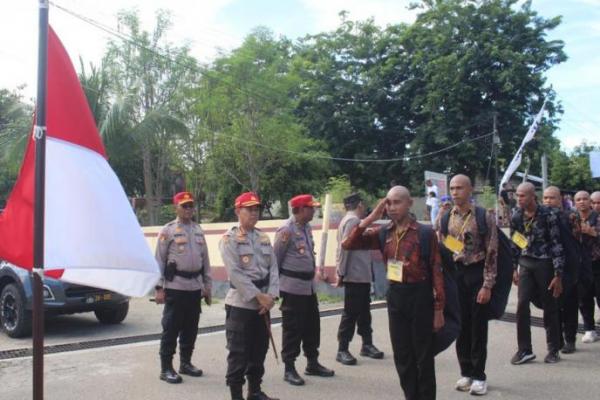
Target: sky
<point x="210" y="25"/>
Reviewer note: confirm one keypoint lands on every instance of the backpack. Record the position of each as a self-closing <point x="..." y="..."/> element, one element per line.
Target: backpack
<point x="451" y="329"/>
<point x="504" y="274"/>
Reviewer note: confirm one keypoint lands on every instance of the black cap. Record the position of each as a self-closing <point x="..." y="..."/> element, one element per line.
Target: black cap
<point x="352" y="200"/>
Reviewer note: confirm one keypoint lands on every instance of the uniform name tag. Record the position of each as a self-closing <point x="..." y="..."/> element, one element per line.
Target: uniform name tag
<point x="520" y="240"/>
<point x="395" y="270"/>
<point x="453" y="244"/>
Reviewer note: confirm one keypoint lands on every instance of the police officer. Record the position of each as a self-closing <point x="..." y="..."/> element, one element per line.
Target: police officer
<point x="294" y="249"/>
<point x="355" y="273"/>
<point x="416" y="296"/>
<point x="182" y="255"/>
<point x="475" y="258"/>
<point x="252" y="269"/>
<point x="539" y="262"/>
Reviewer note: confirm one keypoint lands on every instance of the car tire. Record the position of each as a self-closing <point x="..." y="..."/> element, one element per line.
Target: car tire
<point x="14" y="318"/>
<point x="114" y="315"/>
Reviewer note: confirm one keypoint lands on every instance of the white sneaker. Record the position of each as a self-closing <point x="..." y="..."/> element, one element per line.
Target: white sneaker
<point x="464" y="384"/>
<point x="478" y="388"/>
<point x="589" y="337"/>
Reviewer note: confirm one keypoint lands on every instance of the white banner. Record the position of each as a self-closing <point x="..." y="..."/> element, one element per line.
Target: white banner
<point x="516" y="161"/>
<point x="595" y="164"/>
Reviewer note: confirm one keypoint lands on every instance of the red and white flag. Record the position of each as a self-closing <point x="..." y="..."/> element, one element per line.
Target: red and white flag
<point x="92" y="236"/>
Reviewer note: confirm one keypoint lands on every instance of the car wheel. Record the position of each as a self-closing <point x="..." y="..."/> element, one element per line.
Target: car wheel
<point x="15" y="319"/>
<point x="114" y="315"/>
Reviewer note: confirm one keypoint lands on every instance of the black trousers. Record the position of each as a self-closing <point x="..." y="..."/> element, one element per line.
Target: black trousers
<point x="180" y="320"/>
<point x="471" y="344"/>
<point x="569" y="313"/>
<point x="533" y="283"/>
<point x="587" y="298"/>
<point x="301" y="324"/>
<point x="410" y="312"/>
<point x="248" y="343"/>
<point x="357" y="312"/>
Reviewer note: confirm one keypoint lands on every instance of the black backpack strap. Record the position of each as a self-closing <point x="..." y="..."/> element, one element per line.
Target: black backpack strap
<point x="382" y="237"/>
<point x="480" y="217"/>
<point x="425" y="234"/>
<point x="593" y="218"/>
<point x="444" y="223"/>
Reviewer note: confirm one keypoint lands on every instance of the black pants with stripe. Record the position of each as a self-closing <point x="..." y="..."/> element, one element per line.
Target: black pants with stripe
<point x="181" y="315"/>
<point x="357" y="312"/>
<point x="248" y="343"/>
<point x="301" y="325"/>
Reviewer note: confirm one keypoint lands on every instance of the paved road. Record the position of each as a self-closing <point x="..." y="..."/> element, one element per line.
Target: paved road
<point x="130" y="372"/>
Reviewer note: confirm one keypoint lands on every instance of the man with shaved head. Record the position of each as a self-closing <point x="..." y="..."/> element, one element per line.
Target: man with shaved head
<point x="589" y="235"/>
<point x="539" y="262"/>
<point x="569" y="304"/>
<point x="474" y="252"/>
<point x="595" y="198"/>
<point x="416" y="295"/>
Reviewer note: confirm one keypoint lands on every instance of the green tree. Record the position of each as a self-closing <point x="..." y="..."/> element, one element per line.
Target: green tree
<point x="15" y="125"/>
<point x="145" y="76"/>
<point x="406" y="91"/>
<point x="572" y="171"/>
<point x="247" y="137"/>
<point x="474" y="59"/>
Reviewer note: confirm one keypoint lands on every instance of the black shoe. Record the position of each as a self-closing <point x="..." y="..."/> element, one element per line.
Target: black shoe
<point x="291" y="376"/>
<point x="314" y="368"/>
<point x="521" y="357"/>
<point x="345" y="357"/>
<point x="568" y="348"/>
<point x="368" y="350"/>
<point x="187" y="368"/>
<point x="170" y="376"/>
<point x="260" y="396"/>
<point x="552" y="357"/>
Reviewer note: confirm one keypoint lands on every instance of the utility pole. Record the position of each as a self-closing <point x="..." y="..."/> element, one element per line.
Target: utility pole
<point x="544" y="171"/>
<point x="495" y="147"/>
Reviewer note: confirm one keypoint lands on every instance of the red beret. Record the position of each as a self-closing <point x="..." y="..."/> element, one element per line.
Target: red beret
<point x="247" y="199"/>
<point x="182" y="198"/>
<point x="304" y="200"/>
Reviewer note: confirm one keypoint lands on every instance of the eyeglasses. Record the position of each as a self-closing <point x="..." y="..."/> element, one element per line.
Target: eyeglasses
<point x="187" y="206"/>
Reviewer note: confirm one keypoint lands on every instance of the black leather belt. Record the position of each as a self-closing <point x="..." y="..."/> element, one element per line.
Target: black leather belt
<point x="188" y="274"/>
<point x="305" y="276"/>
<point x="259" y="283"/>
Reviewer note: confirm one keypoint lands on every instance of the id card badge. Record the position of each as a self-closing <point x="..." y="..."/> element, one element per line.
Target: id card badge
<point x="395" y="270"/>
<point x="453" y="244"/>
<point x="520" y="240"/>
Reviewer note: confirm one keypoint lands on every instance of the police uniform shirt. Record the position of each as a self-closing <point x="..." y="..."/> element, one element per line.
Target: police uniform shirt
<point x="184" y="244"/>
<point x="294" y="249"/>
<point x="248" y="256"/>
<point x="352" y="265"/>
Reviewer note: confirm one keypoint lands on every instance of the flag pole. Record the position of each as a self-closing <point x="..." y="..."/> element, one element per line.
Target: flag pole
<point x="39" y="135"/>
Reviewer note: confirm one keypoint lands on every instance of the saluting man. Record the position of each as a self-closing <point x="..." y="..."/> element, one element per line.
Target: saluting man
<point x="294" y="249"/>
<point x="182" y="255"/>
<point x="252" y="269"/>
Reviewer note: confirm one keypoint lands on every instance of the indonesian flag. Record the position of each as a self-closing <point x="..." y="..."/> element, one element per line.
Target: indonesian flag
<point x="92" y="236"/>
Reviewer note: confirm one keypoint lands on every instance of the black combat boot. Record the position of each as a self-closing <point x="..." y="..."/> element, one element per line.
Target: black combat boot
<point x="369" y="350"/>
<point x="187" y="368"/>
<point x="167" y="373"/>
<point x="255" y="393"/>
<point x="314" y="368"/>
<point x="291" y="375"/>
